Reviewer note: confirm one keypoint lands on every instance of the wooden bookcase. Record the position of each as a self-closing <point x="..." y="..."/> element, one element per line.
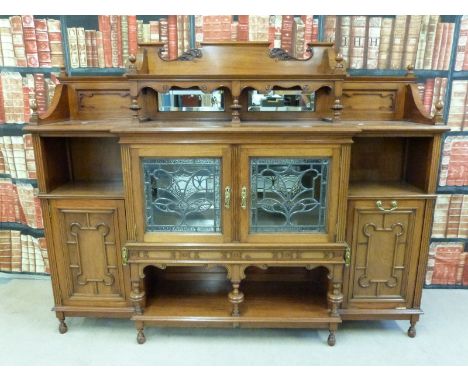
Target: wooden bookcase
<point x="244" y="218"/>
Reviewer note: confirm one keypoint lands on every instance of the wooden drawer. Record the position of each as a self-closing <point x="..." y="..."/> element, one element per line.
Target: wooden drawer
<point x="385" y="238"/>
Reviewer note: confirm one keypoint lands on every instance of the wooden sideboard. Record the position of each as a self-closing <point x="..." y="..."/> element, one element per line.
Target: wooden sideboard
<point x="237" y="186"/>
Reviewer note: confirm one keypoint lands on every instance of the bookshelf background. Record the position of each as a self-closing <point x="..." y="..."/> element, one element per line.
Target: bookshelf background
<point x="361" y="39"/>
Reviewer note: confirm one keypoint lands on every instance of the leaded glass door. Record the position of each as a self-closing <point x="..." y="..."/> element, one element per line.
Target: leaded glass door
<point x="285" y="194"/>
<point x="186" y="193"/>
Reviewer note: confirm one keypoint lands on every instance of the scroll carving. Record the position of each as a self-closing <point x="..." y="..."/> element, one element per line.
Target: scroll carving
<point x="280" y="54"/>
<point x="189" y="55"/>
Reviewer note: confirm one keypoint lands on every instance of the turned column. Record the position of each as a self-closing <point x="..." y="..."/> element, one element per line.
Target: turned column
<point x="236" y="297"/>
<point x="137" y="296"/>
<point x="235" y="106"/>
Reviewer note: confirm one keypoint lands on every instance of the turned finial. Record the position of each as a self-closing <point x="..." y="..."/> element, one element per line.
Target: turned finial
<point x="339" y="64"/>
<point x="63" y="72"/>
<point x="34" y="115"/>
<point x="439" y="115"/>
<point x="132" y="66"/>
<point x="410" y="70"/>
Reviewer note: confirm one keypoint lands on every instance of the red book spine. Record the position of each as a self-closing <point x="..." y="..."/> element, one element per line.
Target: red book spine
<point x="132" y="35"/>
<point x="42" y="41"/>
<point x="172" y="36"/>
<point x="428" y="93"/>
<point x="89" y="49"/>
<point x="30" y="44"/>
<point x="308" y="32"/>
<point x="243" y="28"/>
<point x="27" y="110"/>
<point x="105" y="28"/>
<point x="286" y="33"/>
<point x="18" y="41"/>
<point x="119" y="42"/>
<point x="41" y="96"/>
<point x="315" y="30"/>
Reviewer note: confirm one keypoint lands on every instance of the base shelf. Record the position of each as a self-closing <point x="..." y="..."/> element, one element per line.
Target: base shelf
<point x="385" y="189"/>
<point x="266" y="304"/>
<point x="98" y="190"/>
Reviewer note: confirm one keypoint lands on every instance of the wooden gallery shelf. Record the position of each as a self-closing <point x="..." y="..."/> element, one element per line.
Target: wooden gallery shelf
<point x="266" y="304"/>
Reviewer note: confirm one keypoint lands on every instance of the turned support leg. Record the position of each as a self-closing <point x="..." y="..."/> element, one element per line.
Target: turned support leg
<point x="137" y="296"/>
<point x="412" y="328"/>
<point x="236" y="297"/>
<point x="141" y="339"/>
<point x="63" y="328"/>
<point x="331" y="338"/>
<point x="335" y="298"/>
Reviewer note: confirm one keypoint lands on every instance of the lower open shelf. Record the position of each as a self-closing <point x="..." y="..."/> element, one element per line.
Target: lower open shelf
<point x="266" y="304"/>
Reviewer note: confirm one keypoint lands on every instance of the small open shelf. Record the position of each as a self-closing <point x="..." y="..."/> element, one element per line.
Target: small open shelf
<point x="82" y="167"/>
<point x="271" y="298"/>
<point x="384" y="189"/>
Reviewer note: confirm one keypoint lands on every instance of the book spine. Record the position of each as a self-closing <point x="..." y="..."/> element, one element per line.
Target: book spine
<point x="461" y="266"/>
<point x="357" y="42"/>
<point x="73" y="48"/>
<point x="6" y="43"/>
<point x="42" y="41"/>
<point x="443" y="48"/>
<point x="188" y="32"/>
<point x="132" y="35"/>
<point x="26" y="106"/>
<point x="437" y="45"/>
<point x="172" y="37"/>
<point x="286" y="33"/>
<point x="458" y="167"/>
<point x="457" y="105"/>
<point x="462" y="43"/>
<point x="18" y="43"/>
<point x="56" y="42"/>
<point x="140" y="29"/>
<point x="298" y="37"/>
<point x="385" y="43"/>
<point x="114" y="40"/>
<point x="163" y="36"/>
<point x="2" y="106"/>
<point x="30" y="159"/>
<point x="315" y="30"/>
<point x="180" y="35"/>
<point x="308" y="21"/>
<point x="454" y="212"/>
<point x="15" y="251"/>
<point x="198" y="30"/>
<point x="94" y="49"/>
<point x="419" y="64"/>
<point x="89" y="49"/>
<point x="82" y="54"/>
<point x="243" y="34"/>
<point x="118" y="28"/>
<point x="41" y="98"/>
<point x="430" y="41"/>
<point x="448" y="49"/>
<point x="463" y="227"/>
<point x="330" y="29"/>
<point x="428" y="94"/>
<point x="5" y="250"/>
<point x="278" y="24"/>
<point x="100" y="50"/>
<point x="398" y="41"/>
<point x="345" y="35"/>
<point x="373" y="42"/>
<point x="439" y="227"/>
<point x="124" y="35"/>
<point x="447" y="258"/>
<point x="412" y="41"/>
<point x="234" y="31"/>
<point x="30" y="45"/>
<point x="271" y="30"/>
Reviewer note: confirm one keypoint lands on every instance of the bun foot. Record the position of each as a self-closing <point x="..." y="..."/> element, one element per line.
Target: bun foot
<point x="141" y="339"/>
<point x="331" y="339"/>
<point x="63" y="328"/>
<point x="412" y="331"/>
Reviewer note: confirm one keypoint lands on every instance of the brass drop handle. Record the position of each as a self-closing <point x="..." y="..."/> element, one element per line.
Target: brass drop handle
<point x="227" y="197"/>
<point x="393" y="204"/>
<point x="244" y="197"/>
<point x="124" y="256"/>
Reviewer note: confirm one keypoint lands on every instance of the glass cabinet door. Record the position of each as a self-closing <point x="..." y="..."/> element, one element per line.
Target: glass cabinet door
<point x="286" y="193"/>
<point x="185" y="193"/>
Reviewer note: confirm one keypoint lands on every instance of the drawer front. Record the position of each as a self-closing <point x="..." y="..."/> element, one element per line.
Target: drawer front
<point x="385" y="238"/>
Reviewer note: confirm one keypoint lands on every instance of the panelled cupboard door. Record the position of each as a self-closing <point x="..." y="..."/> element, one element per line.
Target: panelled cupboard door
<point x="288" y="194"/>
<point x="182" y="193"/>
<point x="88" y="236"/>
<point x="385" y="250"/>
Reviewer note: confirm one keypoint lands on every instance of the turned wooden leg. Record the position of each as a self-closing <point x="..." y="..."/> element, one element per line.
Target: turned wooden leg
<point x="137" y="296"/>
<point x="331" y="338"/>
<point x="63" y="328"/>
<point x="141" y="339"/>
<point x="236" y="297"/>
<point x="335" y="298"/>
<point x="412" y="329"/>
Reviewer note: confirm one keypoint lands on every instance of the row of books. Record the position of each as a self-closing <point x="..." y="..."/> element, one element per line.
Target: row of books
<point x="20" y="204"/>
<point x="454" y="162"/>
<point x="458" y="115"/>
<point x="119" y="36"/>
<point x="374" y="42"/>
<point x="461" y="59"/>
<point x="447" y="264"/>
<point x="291" y="33"/>
<point x="18" y="92"/>
<point x="22" y="253"/>
<point x="29" y="42"/>
<point x="451" y="216"/>
<point x="17" y="157"/>
<point x="432" y="91"/>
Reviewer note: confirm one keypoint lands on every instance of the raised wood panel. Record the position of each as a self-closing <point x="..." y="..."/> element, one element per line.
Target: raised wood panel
<point x="385" y="249"/>
<point x="103" y="103"/>
<point x="88" y="240"/>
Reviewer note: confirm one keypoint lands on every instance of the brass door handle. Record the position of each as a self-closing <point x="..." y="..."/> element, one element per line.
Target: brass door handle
<point x="227" y="197"/>
<point x="244" y="197"/>
<point x="393" y="206"/>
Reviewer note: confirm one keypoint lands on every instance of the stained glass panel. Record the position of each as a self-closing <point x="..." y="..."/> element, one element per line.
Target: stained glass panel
<point x="288" y="194"/>
<point x="182" y="195"/>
